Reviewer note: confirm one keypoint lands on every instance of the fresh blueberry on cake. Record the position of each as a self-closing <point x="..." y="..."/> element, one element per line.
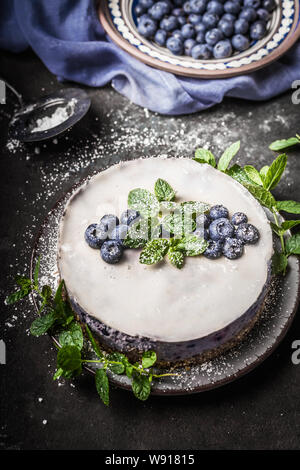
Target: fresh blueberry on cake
<point x="196" y="269"/>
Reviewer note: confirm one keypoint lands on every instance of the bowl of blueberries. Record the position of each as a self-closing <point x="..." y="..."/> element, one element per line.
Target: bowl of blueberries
<point x="209" y="38"/>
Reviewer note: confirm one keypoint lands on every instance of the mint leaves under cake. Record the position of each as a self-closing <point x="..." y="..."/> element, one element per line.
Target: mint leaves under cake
<point x="162" y="228"/>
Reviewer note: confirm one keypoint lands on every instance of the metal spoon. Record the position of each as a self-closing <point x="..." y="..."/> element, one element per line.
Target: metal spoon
<point x="49" y="116"/>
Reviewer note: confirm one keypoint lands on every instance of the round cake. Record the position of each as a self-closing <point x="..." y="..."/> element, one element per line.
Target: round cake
<point x="179" y="313"/>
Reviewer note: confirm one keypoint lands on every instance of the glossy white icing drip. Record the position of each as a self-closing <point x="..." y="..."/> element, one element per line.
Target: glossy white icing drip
<point x="162" y="302"/>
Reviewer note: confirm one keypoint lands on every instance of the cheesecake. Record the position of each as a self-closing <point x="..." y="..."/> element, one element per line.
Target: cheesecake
<point x="181" y="314"/>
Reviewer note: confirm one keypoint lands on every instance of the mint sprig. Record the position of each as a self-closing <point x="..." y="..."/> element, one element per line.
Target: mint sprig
<point x="58" y="318"/>
<point x="260" y="183"/>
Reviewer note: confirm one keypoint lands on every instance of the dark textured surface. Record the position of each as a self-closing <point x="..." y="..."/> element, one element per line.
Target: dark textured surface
<point x="261" y="410"/>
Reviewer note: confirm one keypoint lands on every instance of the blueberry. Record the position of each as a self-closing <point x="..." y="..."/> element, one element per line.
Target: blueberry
<point x="187" y="8"/>
<point x="252" y="3"/>
<point x="159" y="10"/>
<point x="147" y="27"/>
<point x="247" y="233"/>
<point x="200" y="38"/>
<point x="269" y="5"/>
<point x="249" y="14"/>
<point x="241" y="26"/>
<point x="218" y="211"/>
<point x="188" y="46"/>
<point x="169" y="23"/>
<point x="232" y="7"/>
<point x="220" y="229"/>
<point x="139" y="10"/>
<point x="258" y="30"/>
<point x="239" y="218"/>
<point x="111" y="251"/>
<point x="119" y="233"/>
<point x="195" y="19"/>
<point x="177" y="12"/>
<point x="214" y="250"/>
<point x="160" y="37"/>
<point x="129" y="216"/>
<point x="203" y="220"/>
<point x="240" y="42"/>
<point x="95" y="235"/>
<point x="177" y="34"/>
<point x="229" y="17"/>
<point x="213" y="36"/>
<point x="226" y="28"/>
<point x="201" y="232"/>
<point x="222" y="49"/>
<point x="197" y="6"/>
<point x="200" y="28"/>
<point x="263" y="15"/>
<point x="109" y="222"/>
<point x="188" y="31"/>
<point x="215" y="7"/>
<point x="146" y="4"/>
<point x="175" y="45"/>
<point x="210" y="20"/>
<point x="201" y="51"/>
<point x="233" y="248"/>
<point x="181" y="20"/>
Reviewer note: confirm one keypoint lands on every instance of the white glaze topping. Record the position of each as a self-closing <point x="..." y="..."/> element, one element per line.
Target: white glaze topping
<point x="160" y="301"/>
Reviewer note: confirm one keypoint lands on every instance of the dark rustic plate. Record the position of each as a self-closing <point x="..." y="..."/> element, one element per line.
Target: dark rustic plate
<point x="119" y="21"/>
<point x="280" y="308"/>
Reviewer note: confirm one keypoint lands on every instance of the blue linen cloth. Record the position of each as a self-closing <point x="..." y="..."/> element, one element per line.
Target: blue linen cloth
<point x="69" y="39"/>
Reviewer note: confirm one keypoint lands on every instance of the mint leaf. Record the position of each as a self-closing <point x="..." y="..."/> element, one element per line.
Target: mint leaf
<point x="72" y="336"/>
<point x="194" y="207"/>
<point x="143" y="201"/>
<point x="278" y="230"/>
<point x="163" y="191"/>
<point x="253" y="174"/>
<point x="289" y="224"/>
<point x="228" y="155"/>
<point x="42" y="324"/>
<point x="18" y="295"/>
<point x="23" y="282"/>
<point x="129" y="370"/>
<point x="236" y="172"/>
<point x="148" y="359"/>
<point x="205" y="156"/>
<point x="154" y="251"/>
<point x="292" y="245"/>
<point x="36" y="272"/>
<point x="263" y="172"/>
<point x="69" y="358"/>
<point x="117" y="357"/>
<point x="93" y="342"/>
<point x="176" y="257"/>
<point x="141" y="232"/>
<point x="284" y="143"/>
<point x="141" y="387"/>
<point x="179" y="223"/>
<point x="264" y="197"/>
<point x="292" y="207"/>
<point x="279" y="263"/>
<point x="275" y="172"/>
<point x="166" y="207"/>
<point x="102" y="385"/>
<point x="192" y="245"/>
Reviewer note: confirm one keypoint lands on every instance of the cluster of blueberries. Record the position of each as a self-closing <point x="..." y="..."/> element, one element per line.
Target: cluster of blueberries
<point x="204" y="29"/>
<point x="109" y="234"/>
<point x="225" y="237"/>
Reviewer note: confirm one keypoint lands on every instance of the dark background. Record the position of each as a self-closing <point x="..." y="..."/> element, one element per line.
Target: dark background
<point x="258" y="411"/>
